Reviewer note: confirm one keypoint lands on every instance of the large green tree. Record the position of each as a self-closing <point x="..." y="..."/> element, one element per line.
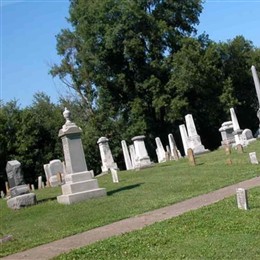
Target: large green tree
<point x="117" y="58"/>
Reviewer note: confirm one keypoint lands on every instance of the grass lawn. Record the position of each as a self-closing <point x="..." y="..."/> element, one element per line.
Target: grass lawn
<point x="219" y="231"/>
<point x="137" y="192"/>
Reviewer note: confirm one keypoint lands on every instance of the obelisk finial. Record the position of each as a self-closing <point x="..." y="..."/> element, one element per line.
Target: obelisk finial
<point x="66" y="115"/>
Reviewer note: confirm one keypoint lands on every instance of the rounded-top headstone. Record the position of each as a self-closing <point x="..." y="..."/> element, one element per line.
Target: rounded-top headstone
<point x="102" y="140"/>
<point x="139" y="137"/>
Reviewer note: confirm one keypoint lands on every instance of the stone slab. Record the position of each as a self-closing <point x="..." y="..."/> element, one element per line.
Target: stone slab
<point x="76" y="187"/>
<point x="22" y="201"/>
<point x="19" y="190"/>
<point x="81" y="196"/>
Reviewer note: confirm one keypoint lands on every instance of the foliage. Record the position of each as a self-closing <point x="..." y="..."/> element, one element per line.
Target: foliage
<point x="136" y="193"/>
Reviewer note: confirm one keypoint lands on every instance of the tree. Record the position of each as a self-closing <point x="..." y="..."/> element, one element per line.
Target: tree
<point x="117" y="58"/>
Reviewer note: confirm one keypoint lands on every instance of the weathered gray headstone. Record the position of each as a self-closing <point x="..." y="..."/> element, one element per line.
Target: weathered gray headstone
<point x="106" y="155"/>
<point x="253" y="158"/>
<point x="242" y="201"/>
<point x="15" y="179"/>
<point x="79" y="184"/>
<point x="226" y="131"/>
<point x="247" y="137"/>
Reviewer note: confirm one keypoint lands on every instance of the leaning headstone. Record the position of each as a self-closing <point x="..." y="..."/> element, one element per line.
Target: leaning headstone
<point x="253" y="158"/>
<point x="191" y="157"/>
<point x="160" y="150"/>
<point x="20" y="193"/>
<point x="133" y="155"/>
<point x="142" y="157"/>
<point x="184" y="138"/>
<point x="194" y="141"/>
<point x="242" y="201"/>
<point x="128" y="162"/>
<point x="257" y="87"/>
<point x="79" y="184"/>
<point x="106" y="155"/>
<point x="237" y="131"/>
<point x="173" y="147"/>
<point x="114" y="175"/>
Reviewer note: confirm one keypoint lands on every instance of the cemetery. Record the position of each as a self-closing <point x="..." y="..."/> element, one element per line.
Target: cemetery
<point x="155" y="152"/>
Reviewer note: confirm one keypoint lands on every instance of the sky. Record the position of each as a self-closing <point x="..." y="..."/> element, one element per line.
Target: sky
<point x="28" y="44"/>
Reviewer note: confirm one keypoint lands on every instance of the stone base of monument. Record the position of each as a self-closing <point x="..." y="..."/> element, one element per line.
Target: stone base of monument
<point x="105" y="169"/>
<point x="78" y="187"/>
<point x="143" y="163"/>
<point x="22" y="201"/>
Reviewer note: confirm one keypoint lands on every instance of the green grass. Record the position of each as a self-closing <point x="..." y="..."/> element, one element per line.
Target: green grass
<point x="219" y="231"/>
<point x="137" y="192"/>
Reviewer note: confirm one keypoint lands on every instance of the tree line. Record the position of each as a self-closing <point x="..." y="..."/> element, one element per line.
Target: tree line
<point x="138" y="67"/>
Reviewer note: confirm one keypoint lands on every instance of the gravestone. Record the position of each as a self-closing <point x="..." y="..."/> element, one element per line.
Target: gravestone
<point x="257" y="87"/>
<point x="142" y="159"/>
<point x="191" y="157"/>
<point x="127" y="159"/>
<point x="20" y="193"/>
<point x="184" y="138"/>
<point x="242" y="201"/>
<point x="227" y="149"/>
<point x="114" y="175"/>
<point x="237" y="131"/>
<point x="253" y="158"/>
<point x="79" y="184"/>
<point x="161" y="154"/>
<point x="240" y="148"/>
<point x="247" y="137"/>
<point x="39" y="182"/>
<point x="54" y="172"/>
<point x="106" y="155"/>
<point x="173" y="147"/>
<point x="194" y="141"/>
<point x="132" y="155"/>
<point x="226" y="130"/>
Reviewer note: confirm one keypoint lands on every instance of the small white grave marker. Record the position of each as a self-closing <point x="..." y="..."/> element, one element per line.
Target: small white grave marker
<point x="114" y="175"/>
<point x="39" y="182"/>
<point x="242" y="202"/>
<point x="253" y="158"/>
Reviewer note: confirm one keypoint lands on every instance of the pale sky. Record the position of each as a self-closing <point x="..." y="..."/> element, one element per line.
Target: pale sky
<point x="28" y="43"/>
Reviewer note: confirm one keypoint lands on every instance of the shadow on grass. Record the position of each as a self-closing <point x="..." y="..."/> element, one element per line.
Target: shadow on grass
<point x="130" y="187"/>
<point x="47" y="199"/>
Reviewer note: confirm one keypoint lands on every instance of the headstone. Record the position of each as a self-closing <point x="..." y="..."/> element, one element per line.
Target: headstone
<point x="184" y="138"/>
<point x="15" y="179"/>
<point x="226" y="131"/>
<point x="237" y="131"/>
<point x="191" y="157"/>
<point x="173" y="147"/>
<point x="2" y="194"/>
<point x="247" y="137"/>
<point x="142" y="157"/>
<point x="229" y="161"/>
<point x="39" y="182"/>
<point x="253" y="158"/>
<point x="257" y="87"/>
<point x="161" y="152"/>
<point x="106" y="155"/>
<point x="20" y="193"/>
<point x="194" y="141"/>
<point x="114" y="175"/>
<point x="227" y="149"/>
<point x="79" y="184"/>
<point x="242" y="201"/>
<point x="133" y="155"/>
<point x="168" y="153"/>
<point x="7" y="189"/>
<point x="54" y="172"/>
<point x="32" y="187"/>
<point x="128" y="162"/>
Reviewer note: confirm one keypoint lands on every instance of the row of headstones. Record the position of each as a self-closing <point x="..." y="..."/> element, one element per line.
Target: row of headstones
<point x="231" y="133"/>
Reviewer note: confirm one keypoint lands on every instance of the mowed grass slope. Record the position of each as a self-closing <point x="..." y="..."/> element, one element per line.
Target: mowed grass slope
<point x="137" y="192"/>
<point x="219" y="231"/>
